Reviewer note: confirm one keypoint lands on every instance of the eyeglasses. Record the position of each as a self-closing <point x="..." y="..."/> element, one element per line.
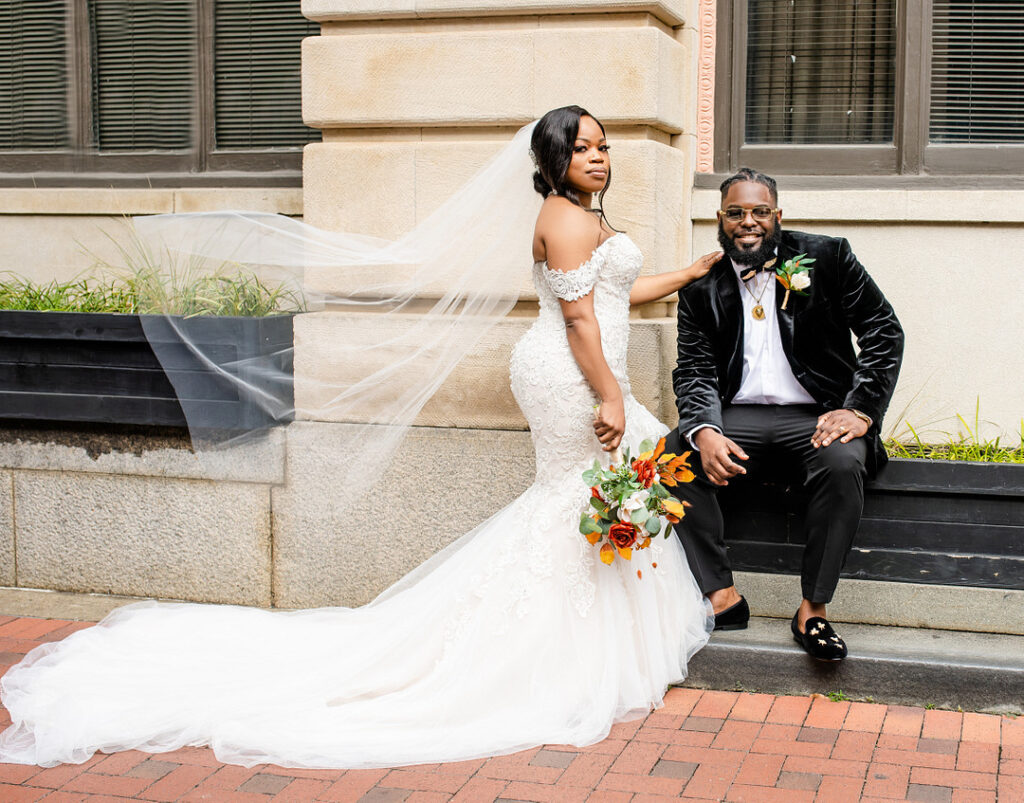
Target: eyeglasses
<point x="738" y="213"/>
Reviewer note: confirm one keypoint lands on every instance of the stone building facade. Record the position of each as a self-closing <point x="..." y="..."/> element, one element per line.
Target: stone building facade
<point x="411" y="96"/>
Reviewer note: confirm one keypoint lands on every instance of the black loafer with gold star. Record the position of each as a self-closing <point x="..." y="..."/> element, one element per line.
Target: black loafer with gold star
<point x="819" y="641"/>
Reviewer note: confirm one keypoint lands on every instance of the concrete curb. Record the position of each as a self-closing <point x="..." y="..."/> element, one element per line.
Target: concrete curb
<point x="909" y="666"/>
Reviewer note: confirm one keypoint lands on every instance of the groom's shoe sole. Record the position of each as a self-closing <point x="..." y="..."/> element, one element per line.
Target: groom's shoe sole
<point x="735" y="617"/>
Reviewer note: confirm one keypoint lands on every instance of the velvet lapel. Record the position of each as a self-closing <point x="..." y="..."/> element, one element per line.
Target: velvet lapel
<point x="785" y="316"/>
<point x="730" y="318"/>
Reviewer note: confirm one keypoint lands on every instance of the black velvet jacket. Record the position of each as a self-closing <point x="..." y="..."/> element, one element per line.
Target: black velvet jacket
<point x="815" y="332"/>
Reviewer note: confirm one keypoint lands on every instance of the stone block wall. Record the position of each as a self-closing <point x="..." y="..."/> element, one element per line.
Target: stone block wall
<point x="137" y="518"/>
<point x="413" y="97"/>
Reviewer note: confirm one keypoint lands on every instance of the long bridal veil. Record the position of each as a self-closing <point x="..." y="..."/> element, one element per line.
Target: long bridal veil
<point x="383" y="322"/>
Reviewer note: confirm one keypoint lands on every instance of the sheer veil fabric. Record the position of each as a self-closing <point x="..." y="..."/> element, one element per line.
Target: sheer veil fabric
<point x="513" y="635"/>
<point x="434" y="292"/>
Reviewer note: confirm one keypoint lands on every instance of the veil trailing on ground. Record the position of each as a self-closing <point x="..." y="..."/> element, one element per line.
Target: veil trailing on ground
<point x="382" y="323"/>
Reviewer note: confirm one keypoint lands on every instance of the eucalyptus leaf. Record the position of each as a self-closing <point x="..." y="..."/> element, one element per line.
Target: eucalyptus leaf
<point x="639" y="516"/>
<point x="653" y="525"/>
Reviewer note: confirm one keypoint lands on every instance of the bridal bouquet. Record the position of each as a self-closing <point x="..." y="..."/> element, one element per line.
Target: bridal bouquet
<point x="629" y="501"/>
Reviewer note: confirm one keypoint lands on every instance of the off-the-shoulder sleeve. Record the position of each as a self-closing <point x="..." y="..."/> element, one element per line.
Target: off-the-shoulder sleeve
<point x="574" y="284"/>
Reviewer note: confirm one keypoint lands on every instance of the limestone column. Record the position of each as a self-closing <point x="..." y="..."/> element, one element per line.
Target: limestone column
<point x="412" y="97"/>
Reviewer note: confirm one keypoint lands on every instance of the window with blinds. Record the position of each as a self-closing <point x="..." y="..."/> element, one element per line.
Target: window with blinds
<point x="257" y="74"/>
<point x="977" y="72"/>
<point x="143" y="69"/>
<point x="155" y="91"/>
<point x="33" y="91"/>
<point x="819" y="71"/>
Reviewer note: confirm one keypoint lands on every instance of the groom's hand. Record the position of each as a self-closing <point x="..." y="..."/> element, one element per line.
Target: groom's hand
<point x="716" y="453"/>
<point x="842" y="425"/>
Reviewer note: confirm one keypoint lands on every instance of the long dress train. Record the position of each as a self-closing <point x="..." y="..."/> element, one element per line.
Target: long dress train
<point x="513" y="636"/>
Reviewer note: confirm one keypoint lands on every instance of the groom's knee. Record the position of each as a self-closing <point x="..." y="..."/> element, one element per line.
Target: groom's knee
<point x="843" y="462"/>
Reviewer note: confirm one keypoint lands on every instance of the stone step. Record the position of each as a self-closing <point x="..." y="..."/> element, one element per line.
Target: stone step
<point x="896" y="665"/>
<point x="878" y="602"/>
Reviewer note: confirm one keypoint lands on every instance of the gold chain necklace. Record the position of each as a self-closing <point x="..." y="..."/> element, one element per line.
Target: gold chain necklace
<point x="758" y="310"/>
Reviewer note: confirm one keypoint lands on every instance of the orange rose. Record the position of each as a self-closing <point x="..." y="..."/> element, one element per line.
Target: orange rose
<point x="595" y="493"/>
<point x="622" y="535"/>
<point x="645" y="472"/>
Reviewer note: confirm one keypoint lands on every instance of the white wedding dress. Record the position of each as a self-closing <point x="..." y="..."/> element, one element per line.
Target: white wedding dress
<point x="513" y="636"/>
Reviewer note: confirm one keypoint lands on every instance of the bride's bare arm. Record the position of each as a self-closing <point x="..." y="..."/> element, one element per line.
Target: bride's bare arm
<point x="651" y="288"/>
<point x="569" y="247"/>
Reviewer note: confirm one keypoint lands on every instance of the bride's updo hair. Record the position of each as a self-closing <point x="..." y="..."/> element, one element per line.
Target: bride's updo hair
<point x="552" y="143"/>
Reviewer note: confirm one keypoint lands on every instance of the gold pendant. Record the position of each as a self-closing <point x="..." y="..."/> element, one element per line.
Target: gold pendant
<point x="758" y="313"/>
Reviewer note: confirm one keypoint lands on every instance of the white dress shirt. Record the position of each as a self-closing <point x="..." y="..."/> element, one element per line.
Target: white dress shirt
<point x="767" y="377"/>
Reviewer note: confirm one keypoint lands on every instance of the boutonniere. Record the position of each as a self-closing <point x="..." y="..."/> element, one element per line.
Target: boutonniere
<point x="794" y="275"/>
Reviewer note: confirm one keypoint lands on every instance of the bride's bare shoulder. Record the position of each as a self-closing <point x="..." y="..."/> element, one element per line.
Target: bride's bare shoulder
<point x="564" y="230"/>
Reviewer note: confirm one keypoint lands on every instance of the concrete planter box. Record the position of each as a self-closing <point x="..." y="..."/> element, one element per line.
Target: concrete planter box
<point x="925" y="521"/>
<point x="102" y="367"/>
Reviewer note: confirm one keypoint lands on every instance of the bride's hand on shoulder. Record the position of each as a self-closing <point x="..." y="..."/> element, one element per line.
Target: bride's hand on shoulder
<point x="610" y="423"/>
<point x="701" y="267"/>
<point x="652" y="288"/>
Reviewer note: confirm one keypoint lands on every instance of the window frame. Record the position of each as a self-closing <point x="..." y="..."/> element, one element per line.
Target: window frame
<point x="908" y="155"/>
<point x="83" y="164"/>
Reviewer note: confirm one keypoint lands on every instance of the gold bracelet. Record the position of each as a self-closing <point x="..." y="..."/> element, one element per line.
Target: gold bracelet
<point x="862" y="416"/>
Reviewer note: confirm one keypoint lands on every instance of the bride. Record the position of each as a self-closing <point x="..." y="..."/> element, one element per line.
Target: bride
<point x="516" y="635"/>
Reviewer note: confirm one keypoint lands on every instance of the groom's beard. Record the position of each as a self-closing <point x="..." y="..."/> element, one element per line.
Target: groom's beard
<point x="758" y="256"/>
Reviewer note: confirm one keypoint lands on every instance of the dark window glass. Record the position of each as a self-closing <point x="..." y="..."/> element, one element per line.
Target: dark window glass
<point x="820" y="71"/>
<point x="158" y="92"/>
<point x="977" y="72"/>
<point x="33" y="66"/>
<point x="257" y="74"/>
<point x="143" y="74"/>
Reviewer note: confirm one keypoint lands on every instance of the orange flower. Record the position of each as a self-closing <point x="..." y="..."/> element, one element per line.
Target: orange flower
<point x="645" y="472"/>
<point x="622" y="535"/>
<point x="596" y="494"/>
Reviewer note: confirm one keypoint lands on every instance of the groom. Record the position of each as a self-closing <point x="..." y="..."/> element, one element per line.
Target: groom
<point x="768" y="385"/>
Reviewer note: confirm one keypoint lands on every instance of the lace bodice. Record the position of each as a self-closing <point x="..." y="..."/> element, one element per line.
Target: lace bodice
<point x="609" y="274"/>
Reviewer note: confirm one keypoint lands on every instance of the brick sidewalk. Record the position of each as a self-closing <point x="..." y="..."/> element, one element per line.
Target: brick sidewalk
<point x="703" y="745"/>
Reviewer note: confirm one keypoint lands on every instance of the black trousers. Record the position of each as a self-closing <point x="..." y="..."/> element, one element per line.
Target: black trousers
<point x="777" y="439"/>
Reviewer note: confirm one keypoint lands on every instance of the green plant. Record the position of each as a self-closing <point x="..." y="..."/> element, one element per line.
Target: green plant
<point x="147" y="283"/>
<point x="965" y="445"/>
<point x="837" y="696"/>
<point x="929" y="706"/>
<point x="167" y="282"/>
<point x="19" y="293"/>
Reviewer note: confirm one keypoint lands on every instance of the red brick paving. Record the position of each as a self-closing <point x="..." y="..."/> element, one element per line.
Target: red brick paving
<point x="701" y="746"/>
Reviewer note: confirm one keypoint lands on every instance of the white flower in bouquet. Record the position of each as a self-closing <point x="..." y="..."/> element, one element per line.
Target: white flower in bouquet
<point x="635" y="501"/>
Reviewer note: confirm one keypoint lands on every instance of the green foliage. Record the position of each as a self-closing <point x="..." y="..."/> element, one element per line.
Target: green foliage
<point x="837" y="696"/>
<point x="147" y="283"/>
<point x="965" y="445"/>
<point x="18" y="293"/>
